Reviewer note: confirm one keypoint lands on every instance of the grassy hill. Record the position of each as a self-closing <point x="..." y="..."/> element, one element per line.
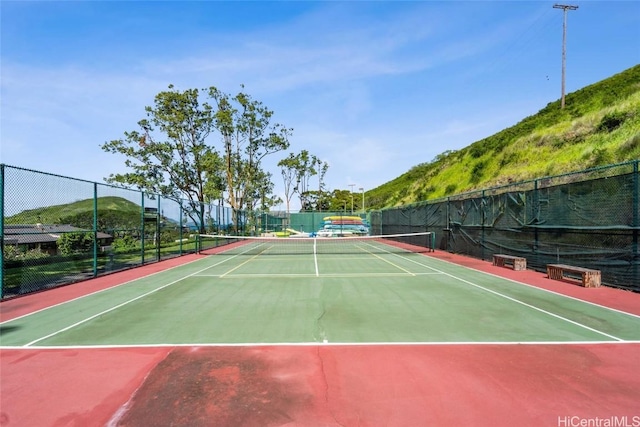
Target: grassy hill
<point x="599" y="125"/>
<point x="113" y="212"/>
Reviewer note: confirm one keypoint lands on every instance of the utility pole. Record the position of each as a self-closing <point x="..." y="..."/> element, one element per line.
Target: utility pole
<point x="564" y="8"/>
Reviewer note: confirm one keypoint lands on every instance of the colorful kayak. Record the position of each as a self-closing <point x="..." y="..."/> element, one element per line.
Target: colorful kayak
<point x="342" y="217"/>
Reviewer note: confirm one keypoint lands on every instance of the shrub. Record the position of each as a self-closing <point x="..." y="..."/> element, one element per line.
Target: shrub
<point x="601" y="156"/>
<point x="125" y="244"/>
<point x="477" y="172"/>
<point x="630" y="146"/>
<point x="12" y="253"/>
<point x="611" y="121"/>
<point x="76" y="242"/>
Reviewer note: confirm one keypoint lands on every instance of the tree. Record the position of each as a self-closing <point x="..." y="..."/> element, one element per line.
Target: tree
<point x="299" y="168"/>
<point x="168" y="155"/>
<point x="75" y="242"/>
<point x="317" y="201"/>
<point x="306" y="169"/>
<point x="248" y="137"/>
<point x="262" y="197"/>
<point x="321" y="202"/>
<point x="214" y="185"/>
<point x="289" y="170"/>
<point x="340" y="200"/>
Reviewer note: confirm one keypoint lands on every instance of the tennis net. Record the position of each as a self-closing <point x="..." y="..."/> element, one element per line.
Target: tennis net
<point x="247" y="245"/>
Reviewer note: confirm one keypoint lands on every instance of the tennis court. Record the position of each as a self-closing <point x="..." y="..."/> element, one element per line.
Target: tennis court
<point x="338" y="331"/>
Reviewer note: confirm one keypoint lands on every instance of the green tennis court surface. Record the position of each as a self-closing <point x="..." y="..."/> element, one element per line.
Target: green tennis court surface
<point x="351" y="296"/>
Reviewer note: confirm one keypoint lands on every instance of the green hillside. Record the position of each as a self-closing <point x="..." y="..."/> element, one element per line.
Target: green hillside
<point x="113" y="212"/>
<point x="599" y="125"/>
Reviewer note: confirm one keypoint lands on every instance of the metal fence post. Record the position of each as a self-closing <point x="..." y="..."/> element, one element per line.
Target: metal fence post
<point x="483" y="205"/>
<point x="95" y="229"/>
<point x="636" y="220"/>
<point x="1" y="230"/>
<point x="449" y="231"/>
<point x="180" y="228"/>
<point x="142" y="230"/>
<point x="535" y="215"/>
<point x="158" y="218"/>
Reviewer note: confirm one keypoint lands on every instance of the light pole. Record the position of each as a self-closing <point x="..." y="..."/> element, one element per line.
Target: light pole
<point x="362" y="191"/>
<point x="351" y="185"/>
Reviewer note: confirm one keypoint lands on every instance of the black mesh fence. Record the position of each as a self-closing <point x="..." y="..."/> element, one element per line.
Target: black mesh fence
<point x="588" y="219"/>
<point x="58" y="230"/>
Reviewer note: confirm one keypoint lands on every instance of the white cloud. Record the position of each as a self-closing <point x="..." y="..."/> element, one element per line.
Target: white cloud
<point x="373" y="88"/>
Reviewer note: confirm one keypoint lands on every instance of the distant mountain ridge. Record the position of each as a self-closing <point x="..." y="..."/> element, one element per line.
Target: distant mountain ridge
<point x="113" y="213"/>
<point x="599" y="125"/>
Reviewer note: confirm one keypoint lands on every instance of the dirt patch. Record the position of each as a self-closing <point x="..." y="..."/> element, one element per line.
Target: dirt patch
<point x="218" y="386"/>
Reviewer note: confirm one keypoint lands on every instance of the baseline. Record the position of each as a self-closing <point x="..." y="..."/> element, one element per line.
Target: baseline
<point x="324" y="343"/>
<point x="87" y="319"/>
<point x="515" y="300"/>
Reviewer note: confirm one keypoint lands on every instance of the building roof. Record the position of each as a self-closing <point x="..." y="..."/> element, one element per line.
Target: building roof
<point x="21" y="234"/>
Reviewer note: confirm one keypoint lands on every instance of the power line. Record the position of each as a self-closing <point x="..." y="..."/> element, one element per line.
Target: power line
<point x="520" y="43"/>
<point x="564" y="8"/>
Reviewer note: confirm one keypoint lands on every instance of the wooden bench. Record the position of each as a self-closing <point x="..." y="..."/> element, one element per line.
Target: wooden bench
<point x="590" y="278"/>
<point x="517" y="262"/>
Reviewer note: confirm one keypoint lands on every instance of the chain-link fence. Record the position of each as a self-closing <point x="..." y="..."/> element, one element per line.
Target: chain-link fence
<point x="58" y="230"/>
<point x="588" y="219"/>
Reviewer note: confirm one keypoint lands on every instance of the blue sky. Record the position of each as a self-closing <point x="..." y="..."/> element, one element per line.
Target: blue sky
<point x="372" y="88"/>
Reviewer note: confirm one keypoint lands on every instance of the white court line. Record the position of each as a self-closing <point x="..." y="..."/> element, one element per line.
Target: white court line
<point x="243" y="263"/>
<point x="315" y="257"/>
<point x="542" y="289"/>
<point x="405" y="258"/>
<point x="516" y="300"/>
<point x="364" y="250"/>
<point x="387" y="261"/>
<point x="316" y="267"/>
<point x="285" y="275"/>
<point x="328" y="344"/>
<point x="117" y="286"/>
<point x="506" y="296"/>
<point x="102" y="290"/>
<point x="120" y="305"/>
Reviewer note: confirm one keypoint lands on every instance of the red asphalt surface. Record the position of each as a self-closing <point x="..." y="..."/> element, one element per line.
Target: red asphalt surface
<point x="318" y="385"/>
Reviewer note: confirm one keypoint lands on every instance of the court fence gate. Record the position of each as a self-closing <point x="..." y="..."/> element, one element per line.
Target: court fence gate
<point x="589" y="219"/>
